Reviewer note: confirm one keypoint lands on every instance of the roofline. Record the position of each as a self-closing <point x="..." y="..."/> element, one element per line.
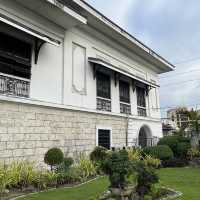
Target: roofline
<point x="123" y="32"/>
<point x="68" y="11"/>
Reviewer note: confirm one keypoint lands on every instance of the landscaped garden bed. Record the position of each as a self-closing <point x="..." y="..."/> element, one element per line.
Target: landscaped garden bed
<point x="185" y="180"/>
<point x="132" y="173"/>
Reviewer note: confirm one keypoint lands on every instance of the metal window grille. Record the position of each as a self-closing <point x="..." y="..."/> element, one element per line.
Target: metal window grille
<point x="15" y="66"/>
<point x="124" y="93"/>
<point x="103" y="92"/>
<point x="104" y="138"/>
<point x="141" y="101"/>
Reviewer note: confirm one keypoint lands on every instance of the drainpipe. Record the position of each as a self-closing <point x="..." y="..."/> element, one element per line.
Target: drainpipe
<point x="127" y="125"/>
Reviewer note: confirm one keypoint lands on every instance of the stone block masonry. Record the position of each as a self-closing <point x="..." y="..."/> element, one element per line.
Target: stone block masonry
<point x="28" y="131"/>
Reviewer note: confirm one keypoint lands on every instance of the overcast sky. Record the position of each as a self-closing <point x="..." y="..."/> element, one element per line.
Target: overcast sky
<point x="172" y="29"/>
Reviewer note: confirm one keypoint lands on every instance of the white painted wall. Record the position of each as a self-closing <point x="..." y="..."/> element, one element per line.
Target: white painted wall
<point x="46" y="79"/>
<point x="100" y="49"/>
<point x="52" y="77"/>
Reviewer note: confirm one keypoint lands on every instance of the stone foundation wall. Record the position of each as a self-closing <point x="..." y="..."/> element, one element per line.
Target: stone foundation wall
<point x="28" y="131"/>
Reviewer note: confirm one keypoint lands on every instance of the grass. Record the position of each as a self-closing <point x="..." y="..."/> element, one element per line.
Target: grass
<point x="85" y="192"/>
<point x="185" y="180"/>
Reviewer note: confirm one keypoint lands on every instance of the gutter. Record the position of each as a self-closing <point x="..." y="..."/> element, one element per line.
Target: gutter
<point x="68" y="11"/>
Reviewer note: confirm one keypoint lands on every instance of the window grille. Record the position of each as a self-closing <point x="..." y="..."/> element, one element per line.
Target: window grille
<point x="104" y="138"/>
<point x="15" y="66"/>
<point x="103" y="92"/>
<point x="124" y="93"/>
<point x="141" y="101"/>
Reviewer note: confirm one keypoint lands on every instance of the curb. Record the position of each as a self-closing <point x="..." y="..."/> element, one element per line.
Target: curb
<point x="173" y="196"/>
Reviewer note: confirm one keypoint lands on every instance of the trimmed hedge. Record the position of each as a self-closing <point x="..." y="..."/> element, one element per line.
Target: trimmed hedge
<point x="182" y="149"/>
<point x="162" y="152"/>
<point x="175" y="162"/>
<point x="175" y="143"/>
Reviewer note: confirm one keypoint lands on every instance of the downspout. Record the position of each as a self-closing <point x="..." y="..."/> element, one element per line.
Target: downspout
<point x="127" y="126"/>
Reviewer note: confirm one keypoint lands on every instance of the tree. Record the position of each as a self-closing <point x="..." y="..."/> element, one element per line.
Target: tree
<point x="194" y="125"/>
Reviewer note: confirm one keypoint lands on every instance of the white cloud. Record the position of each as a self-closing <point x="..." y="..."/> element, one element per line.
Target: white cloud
<point x="171" y="28"/>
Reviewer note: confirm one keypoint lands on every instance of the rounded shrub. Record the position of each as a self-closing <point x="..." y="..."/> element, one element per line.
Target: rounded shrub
<point x="98" y="154"/>
<point x="65" y="165"/>
<point x="162" y="152"/>
<point x="54" y="157"/>
<point x="173" y="142"/>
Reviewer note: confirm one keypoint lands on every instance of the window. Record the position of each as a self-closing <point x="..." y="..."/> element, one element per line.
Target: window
<point x="141" y="101"/>
<point x="124" y="93"/>
<point x="104" y="138"/>
<point x="15" y="56"/>
<point x="15" y="66"/>
<point x="103" y="92"/>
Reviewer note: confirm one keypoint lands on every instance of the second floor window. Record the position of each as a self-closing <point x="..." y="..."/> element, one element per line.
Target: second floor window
<point x="103" y="92"/>
<point x="15" y="56"/>
<point x="15" y="66"/>
<point x="141" y="101"/>
<point x="124" y="93"/>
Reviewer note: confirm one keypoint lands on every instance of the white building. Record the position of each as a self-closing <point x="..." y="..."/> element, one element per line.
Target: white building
<point x="72" y="78"/>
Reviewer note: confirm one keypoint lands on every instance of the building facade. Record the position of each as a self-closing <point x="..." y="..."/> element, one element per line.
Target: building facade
<point x="71" y="78"/>
<point x="179" y="116"/>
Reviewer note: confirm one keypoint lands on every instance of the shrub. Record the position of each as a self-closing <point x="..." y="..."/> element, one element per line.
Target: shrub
<point x="162" y="152"/>
<point x="86" y="167"/>
<point x="182" y="149"/>
<point x="54" y="157"/>
<point x="65" y="165"/>
<point x="175" y="162"/>
<point x="117" y="166"/>
<point x="45" y="179"/>
<point x="152" y="162"/>
<point x="98" y="154"/>
<point x="4" y="178"/>
<point x="134" y="154"/>
<point x="146" y="178"/>
<point x="172" y="142"/>
<point x="21" y="174"/>
<point x="193" y="153"/>
<point x="73" y="175"/>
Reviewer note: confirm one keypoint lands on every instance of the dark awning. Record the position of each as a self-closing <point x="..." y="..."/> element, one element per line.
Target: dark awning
<point x="121" y="71"/>
<point x="29" y="31"/>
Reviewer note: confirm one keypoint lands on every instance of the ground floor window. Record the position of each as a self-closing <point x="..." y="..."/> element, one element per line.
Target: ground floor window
<point x="104" y="138"/>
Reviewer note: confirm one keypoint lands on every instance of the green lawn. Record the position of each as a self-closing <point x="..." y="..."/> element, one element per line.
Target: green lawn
<point x="84" y="192"/>
<point x="186" y="180"/>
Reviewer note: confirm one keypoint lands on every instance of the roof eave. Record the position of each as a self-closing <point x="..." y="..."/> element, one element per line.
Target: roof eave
<point x="165" y="65"/>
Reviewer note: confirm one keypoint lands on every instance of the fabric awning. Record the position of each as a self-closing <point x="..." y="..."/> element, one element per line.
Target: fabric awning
<point x="121" y="71"/>
<point x="29" y="31"/>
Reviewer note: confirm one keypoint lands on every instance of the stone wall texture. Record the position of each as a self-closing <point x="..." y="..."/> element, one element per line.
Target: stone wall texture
<point x="28" y="131"/>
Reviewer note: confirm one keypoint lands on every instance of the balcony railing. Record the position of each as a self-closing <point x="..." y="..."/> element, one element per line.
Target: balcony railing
<point x="142" y="111"/>
<point x="125" y="108"/>
<point x="103" y="104"/>
<point x="15" y="86"/>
